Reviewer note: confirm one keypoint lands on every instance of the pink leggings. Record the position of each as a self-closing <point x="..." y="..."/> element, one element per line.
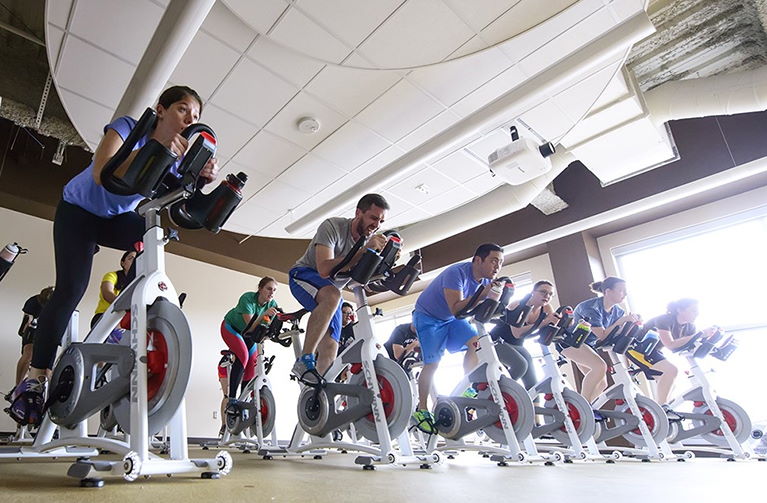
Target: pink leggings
<point x="246" y="357"/>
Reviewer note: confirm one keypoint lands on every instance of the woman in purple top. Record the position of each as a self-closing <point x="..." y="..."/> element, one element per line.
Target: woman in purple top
<point x="88" y="215"/>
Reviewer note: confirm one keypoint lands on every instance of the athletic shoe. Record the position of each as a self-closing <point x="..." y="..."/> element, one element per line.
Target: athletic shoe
<point x="27" y="402"/>
<point x="221" y="431"/>
<point x="424" y="421"/>
<point x="305" y="369"/>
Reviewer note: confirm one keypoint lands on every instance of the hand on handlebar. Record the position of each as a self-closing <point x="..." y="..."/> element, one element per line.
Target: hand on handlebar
<point x="708" y="332"/>
<point x="270" y="312"/>
<point x="210" y="171"/>
<point x="376" y="242"/>
<point x="551" y="319"/>
<point x="175" y="143"/>
<point x="631" y="317"/>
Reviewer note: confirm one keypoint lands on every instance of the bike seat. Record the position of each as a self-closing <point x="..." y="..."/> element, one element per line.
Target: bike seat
<point x="292" y="316"/>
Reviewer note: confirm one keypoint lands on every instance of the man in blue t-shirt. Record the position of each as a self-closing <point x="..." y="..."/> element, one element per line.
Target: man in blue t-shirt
<point x="438" y="328"/>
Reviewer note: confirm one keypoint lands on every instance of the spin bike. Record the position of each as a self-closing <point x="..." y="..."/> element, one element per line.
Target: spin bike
<point x="704" y="415"/>
<point x="251" y="422"/>
<point x="376" y="400"/>
<point x="502" y="408"/>
<point x="566" y="416"/>
<point x="627" y="413"/>
<point x="144" y="378"/>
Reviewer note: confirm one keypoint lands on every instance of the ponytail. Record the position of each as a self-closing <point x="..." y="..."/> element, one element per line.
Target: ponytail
<point x="608" y="283"/>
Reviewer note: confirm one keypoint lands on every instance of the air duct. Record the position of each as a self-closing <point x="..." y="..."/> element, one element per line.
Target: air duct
<point x="724" y="94"/>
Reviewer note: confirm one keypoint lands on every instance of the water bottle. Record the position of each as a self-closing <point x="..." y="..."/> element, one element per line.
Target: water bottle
<point x="10" y="252"/>
<point x="579" y="334"/>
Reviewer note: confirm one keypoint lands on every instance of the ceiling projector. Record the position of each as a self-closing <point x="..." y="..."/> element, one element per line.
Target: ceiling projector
<point x="521" y="160"/>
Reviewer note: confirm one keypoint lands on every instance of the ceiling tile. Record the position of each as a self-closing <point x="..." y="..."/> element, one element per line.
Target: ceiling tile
<point x="234" y="94"/>
<point x="223" y="24"/>
<point x="219" y="60"/>
<point x="402" y="109"/>
<point x="429" y="130"/>
<point x="408" y="217"/>
<point x="280" y="197"/>
<point x="479" y="14"/>
<point x="430" y="182"/>
<point x="122" y="28"/>
<point x="452" y="81"/>
<point x="300" y="33"/>
<point x="418" y="33"/>
<point x="88" y="117"/>
<point x="496" y="87"/>
<point x="57" y="12"/>
<point x="548" y="120"/>
<point x="371" y="167"/>
<point x="252" y="216"/>
<point x="350" y="20"/>
<point x="231" y="132"/>
<point x="460" y="166"/>
<point x="483" y="184"/>
<point x="350" y="90"/>
<point x="53" y="39"/>
<point x="350" y="146"/>
<point x="447" y="201"/>
<point x="256" y="181"/>
<point x="290" y="65"/>
<point x="80" y="69"/>
<point x="397" y="205"/>
<point x="311" y="174"/>
<point x="269" y="154"/>
<point x="285" y="123"/>
<point x="523" y="19"/>
<point x="260" y="15"/>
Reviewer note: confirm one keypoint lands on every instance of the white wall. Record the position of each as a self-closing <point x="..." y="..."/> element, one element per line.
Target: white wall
<point x="211" y="290"/>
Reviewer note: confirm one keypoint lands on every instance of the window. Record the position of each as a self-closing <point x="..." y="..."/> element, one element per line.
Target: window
<point x="720" y="263"/>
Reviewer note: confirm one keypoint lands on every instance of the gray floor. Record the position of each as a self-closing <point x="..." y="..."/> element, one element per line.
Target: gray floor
<point x="337" y="479"/>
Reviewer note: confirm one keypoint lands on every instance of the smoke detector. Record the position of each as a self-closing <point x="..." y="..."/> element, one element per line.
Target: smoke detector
<point x="308" y="125"/>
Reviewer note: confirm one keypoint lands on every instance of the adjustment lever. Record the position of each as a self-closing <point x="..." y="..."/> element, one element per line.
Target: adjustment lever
<point x="172" y="235"/>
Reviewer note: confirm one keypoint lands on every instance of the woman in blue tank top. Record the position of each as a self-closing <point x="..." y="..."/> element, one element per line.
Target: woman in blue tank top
<point x="87" y="216"/>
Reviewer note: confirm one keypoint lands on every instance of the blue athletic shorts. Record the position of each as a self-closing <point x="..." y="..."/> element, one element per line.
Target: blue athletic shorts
<point x="304" y="284"/>
<point x="435" y="336"/>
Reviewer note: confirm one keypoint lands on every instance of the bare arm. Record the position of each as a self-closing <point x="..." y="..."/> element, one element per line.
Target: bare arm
<point x="455" y="300"/>
<point x="108" y="291"/>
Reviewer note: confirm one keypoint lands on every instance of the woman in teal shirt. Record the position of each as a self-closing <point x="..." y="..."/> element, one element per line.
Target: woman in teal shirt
<point x="262" y="306"/>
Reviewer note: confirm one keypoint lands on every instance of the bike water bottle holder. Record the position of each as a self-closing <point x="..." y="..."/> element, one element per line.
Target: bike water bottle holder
<point x="725" y="350"/>
<point x="209" y="211"/>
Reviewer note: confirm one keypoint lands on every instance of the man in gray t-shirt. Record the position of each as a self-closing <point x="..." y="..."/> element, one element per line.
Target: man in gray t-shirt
<point x="310" y="285"/>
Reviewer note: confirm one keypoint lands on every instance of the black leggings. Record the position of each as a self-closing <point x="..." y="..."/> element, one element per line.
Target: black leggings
<point x="529" y="378"/>
<point x="76" y="232"/>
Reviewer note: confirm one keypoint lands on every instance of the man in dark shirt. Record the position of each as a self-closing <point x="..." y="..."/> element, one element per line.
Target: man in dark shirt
<point x="347" y="327"/>
<point x="401" y="341"/>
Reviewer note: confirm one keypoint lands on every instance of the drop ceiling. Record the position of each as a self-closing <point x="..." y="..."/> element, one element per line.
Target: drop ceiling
<point x="380" y="77"/>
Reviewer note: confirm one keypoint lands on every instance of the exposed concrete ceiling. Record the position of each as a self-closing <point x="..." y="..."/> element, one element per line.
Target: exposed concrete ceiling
<point x="700" y="38"/>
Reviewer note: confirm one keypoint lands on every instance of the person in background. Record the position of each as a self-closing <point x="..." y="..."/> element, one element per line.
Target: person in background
<point x="254" y="309"/>
<point x="603" y="314"/>
<point x="675" y="329"/>
<point x="403" y="340"/>
<point x="541" y="314"/>
<point x="32" y="309"/>
<point x="112" y="284"/>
